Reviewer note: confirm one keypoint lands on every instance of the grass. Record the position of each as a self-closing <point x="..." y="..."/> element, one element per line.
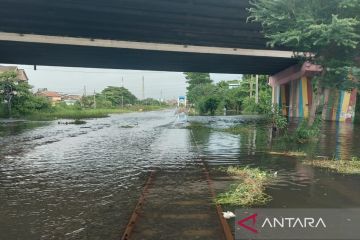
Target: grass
<point x="238" y="129"/>
<point x="250" y="191"/>
<point x="196" y="125"/>
<point x="341" y="166"/>
<point x="289" y="153"/>
<point x="73" y="113"/>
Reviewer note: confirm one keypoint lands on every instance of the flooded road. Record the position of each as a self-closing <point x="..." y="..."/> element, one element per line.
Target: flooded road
<point x="83" y="181"/>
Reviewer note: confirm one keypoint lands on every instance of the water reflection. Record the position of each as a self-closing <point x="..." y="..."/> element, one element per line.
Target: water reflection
<point x="296" y="185"/>
<point x="222" y="144"/>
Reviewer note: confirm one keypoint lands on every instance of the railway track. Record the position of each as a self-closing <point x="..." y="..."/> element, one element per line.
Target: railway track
<point x="180" y="205"/>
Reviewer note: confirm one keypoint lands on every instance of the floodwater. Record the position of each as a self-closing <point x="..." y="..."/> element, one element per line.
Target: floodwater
<point x="62" y="181"/>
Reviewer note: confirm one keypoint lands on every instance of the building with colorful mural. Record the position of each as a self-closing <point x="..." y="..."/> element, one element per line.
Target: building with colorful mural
<point x="292" y="91"/>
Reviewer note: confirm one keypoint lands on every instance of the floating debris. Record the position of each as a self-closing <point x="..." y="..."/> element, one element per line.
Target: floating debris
<point x="76" y="122"/>
<point x="340" y="166"/>
<point x="289" y="153"/>
<point x="228" y="215"/>
<point x="250" y="191"/>
<point x="127" y="126"/>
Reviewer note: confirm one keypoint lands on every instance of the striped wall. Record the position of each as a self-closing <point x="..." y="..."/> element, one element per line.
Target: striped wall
<point x="295" y="98"/>
<point x="339" y="105"/>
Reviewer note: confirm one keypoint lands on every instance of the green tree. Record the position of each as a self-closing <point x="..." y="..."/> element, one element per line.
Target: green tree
<point x="18" y="97"/>
<point x="199" y="91"/>
<point x="8" y="87"/>
<point x="101" y="102"/>
<point x="195" y="79"/>
<point x="210" y="104"/>
<point x="118" y="96"/>
<point x="233" y="99"/>
<point x="151" y="101"/>
<point x="324" y="32"/>
<point x="223" y="84"/>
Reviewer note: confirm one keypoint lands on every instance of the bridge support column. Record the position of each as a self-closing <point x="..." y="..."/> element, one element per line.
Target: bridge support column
<point x="293" y="93"/>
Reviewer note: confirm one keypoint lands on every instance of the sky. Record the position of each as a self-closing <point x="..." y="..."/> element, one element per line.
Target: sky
<point x="166" y="85"/>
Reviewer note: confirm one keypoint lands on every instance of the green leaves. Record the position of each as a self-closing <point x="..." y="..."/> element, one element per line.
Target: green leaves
<point x="118" y="96"/>
<point x="17" y="94"/>
<point x="330" y="29"/>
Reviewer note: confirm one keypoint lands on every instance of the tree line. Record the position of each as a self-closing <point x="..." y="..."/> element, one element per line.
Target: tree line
<point x="207" y="97"/>
<point x="17" y="99"/>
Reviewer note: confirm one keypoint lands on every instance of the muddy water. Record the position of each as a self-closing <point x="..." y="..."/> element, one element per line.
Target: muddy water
<point x="82" y="181"/>
<point x="296" y="185"/>
<point x="76" y="181"/>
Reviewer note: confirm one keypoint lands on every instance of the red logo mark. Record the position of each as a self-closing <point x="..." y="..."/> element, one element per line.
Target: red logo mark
<point x="241" y="223"/>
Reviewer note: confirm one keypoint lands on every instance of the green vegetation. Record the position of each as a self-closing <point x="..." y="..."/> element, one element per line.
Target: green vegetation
<point x="250" y="191"/>
<point x="289" y="153"/>
<point x="17" y="100"/>
<point x="71" y="112"/>
<point x="277" y="120"/>
<point x="116" y="97"/>
<point x="329" y="30"/>
<point x="272" y="117"/>
<point x="208" y="98"/>
<point x="238" y="129"/>
<point x="305" y="133"/>
<point x="195" y="79"/>
<point x="341" y="166"/>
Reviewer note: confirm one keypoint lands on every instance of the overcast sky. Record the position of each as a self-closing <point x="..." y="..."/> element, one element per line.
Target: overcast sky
<point x="73" y="80"/>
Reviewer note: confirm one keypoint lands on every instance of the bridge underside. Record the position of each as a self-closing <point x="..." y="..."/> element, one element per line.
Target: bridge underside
<point x="210" y="23"/>
<point x="99" y="57"/>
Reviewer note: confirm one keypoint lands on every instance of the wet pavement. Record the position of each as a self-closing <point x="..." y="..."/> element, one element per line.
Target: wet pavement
<point x="83" y="181"/>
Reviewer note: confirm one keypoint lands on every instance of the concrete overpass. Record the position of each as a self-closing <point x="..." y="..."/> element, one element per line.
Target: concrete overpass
<point x="168" y="35"/>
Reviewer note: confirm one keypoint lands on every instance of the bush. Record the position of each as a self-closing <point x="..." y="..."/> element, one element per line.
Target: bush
<point x="30" y="103"/>
<point x="264" y="106"/>
<point x="277" y="120"/>
<point x="249" y="105"/>
<point x="304" y="132"/>
<point x="3" y="111"/>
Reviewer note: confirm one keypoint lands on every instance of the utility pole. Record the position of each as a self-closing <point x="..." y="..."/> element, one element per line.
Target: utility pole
<point x="122" y="101"/>
<point x="257" y="90"/>
<point x="94" y="99"/>
<point x="161" y="95"/>
<point x="143" y="88"/>
<point x="122" y="81"/>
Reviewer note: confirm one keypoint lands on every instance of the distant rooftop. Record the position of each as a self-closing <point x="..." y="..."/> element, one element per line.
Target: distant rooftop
<point x="49" y="94"/>
<point x="21" y="74"/>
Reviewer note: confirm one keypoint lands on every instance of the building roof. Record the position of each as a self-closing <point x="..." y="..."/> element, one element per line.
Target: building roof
<point x="21" y="74"/>
<point x="70" y="97"/>
<point x="49" y="94"/>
